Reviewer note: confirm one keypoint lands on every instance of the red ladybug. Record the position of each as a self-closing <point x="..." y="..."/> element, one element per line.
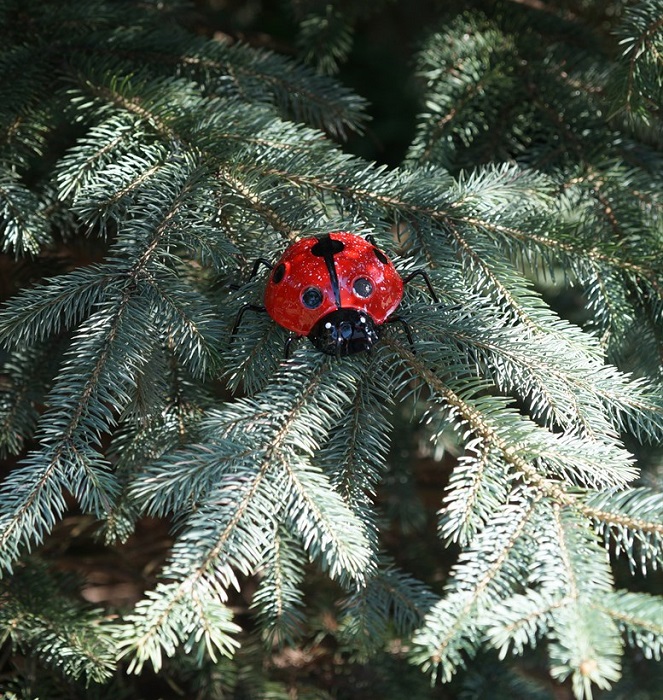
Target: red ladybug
<point x="337" y="290"/>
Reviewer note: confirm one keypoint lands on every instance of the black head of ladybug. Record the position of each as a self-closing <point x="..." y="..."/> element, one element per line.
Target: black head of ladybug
<point x="344" y="332"/>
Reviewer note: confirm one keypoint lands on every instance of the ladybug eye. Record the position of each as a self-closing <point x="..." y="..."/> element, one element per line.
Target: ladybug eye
<point x="362" y="287"/>
<point x="278" y="274"/>
<point x="312" y="298"/>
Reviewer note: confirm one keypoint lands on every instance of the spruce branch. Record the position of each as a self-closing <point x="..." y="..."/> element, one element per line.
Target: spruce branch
<point x="23" y="226"/>
<point x="264" y="209"/>
<point x="78" y="415"/>
<point x="522" y="620"/>
<point x="234" y="70"/>
<point x="61" y="632"/>
<point x="594" y="660"/>
<point x="451" y="630"/>
<point x="637" y="80"/>
<point x="167" y="160"/>
<point x="325" y="39"/>
<point x="587" y="647"/>
<point x="27" y="374"/>
<point x="631" y="520"/>
<point x="187" y="613"/>
<point x="231" y="528"/>
<point x="296" y="89"/>
<point x="278" y="601"/>
<point x="354" y="453"/>
<point x="390" y="597"/>
<point x="266" y="482"/>
<point x="100" y="146"/>
<point x="332" y="534"/>
<point x="56" y="306"/>
<point x="100" y="372"/>
<point x="478" y="486"/>
<point x="640" y="618"/>
<point x="520" y="442"/>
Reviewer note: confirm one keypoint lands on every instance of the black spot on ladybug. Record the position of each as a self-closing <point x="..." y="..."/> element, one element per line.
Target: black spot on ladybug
<point x="380" y="256"/>
<point x="362" y="287"/>
<point x="278" y="274"/>
<point x="327" y="247"/>
<point x="312" y="298"/>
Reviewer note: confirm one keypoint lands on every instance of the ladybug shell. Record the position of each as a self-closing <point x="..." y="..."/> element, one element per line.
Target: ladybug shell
<point x="332" y="265"/>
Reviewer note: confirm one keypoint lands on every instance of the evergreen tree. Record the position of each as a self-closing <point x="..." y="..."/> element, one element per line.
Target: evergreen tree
<point x="144" y="165"/>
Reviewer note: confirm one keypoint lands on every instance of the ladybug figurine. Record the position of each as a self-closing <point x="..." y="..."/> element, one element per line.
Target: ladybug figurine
<point x="337" y="290"/>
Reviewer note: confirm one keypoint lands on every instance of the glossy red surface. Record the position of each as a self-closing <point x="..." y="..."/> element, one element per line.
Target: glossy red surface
<point x="303" y="269"/>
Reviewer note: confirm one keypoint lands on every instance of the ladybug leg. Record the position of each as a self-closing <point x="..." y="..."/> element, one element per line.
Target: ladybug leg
<point x="240" y="313"/>
<point x="421" y="273"/>
<point x="256" y="266"/>
<point x="288" y="345"/>
<point x="406" y="328"/>
<point x="254" y="271"/>
<point x="249" y="307"/>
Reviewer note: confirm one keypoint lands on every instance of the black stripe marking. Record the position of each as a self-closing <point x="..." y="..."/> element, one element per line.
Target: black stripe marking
<point x="326" y="248"/>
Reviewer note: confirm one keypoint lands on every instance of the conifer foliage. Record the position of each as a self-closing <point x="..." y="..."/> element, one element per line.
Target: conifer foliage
<point x="143" y="166"/>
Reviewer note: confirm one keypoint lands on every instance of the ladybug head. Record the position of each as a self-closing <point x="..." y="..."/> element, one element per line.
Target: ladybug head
<point x="344" y="332"/>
